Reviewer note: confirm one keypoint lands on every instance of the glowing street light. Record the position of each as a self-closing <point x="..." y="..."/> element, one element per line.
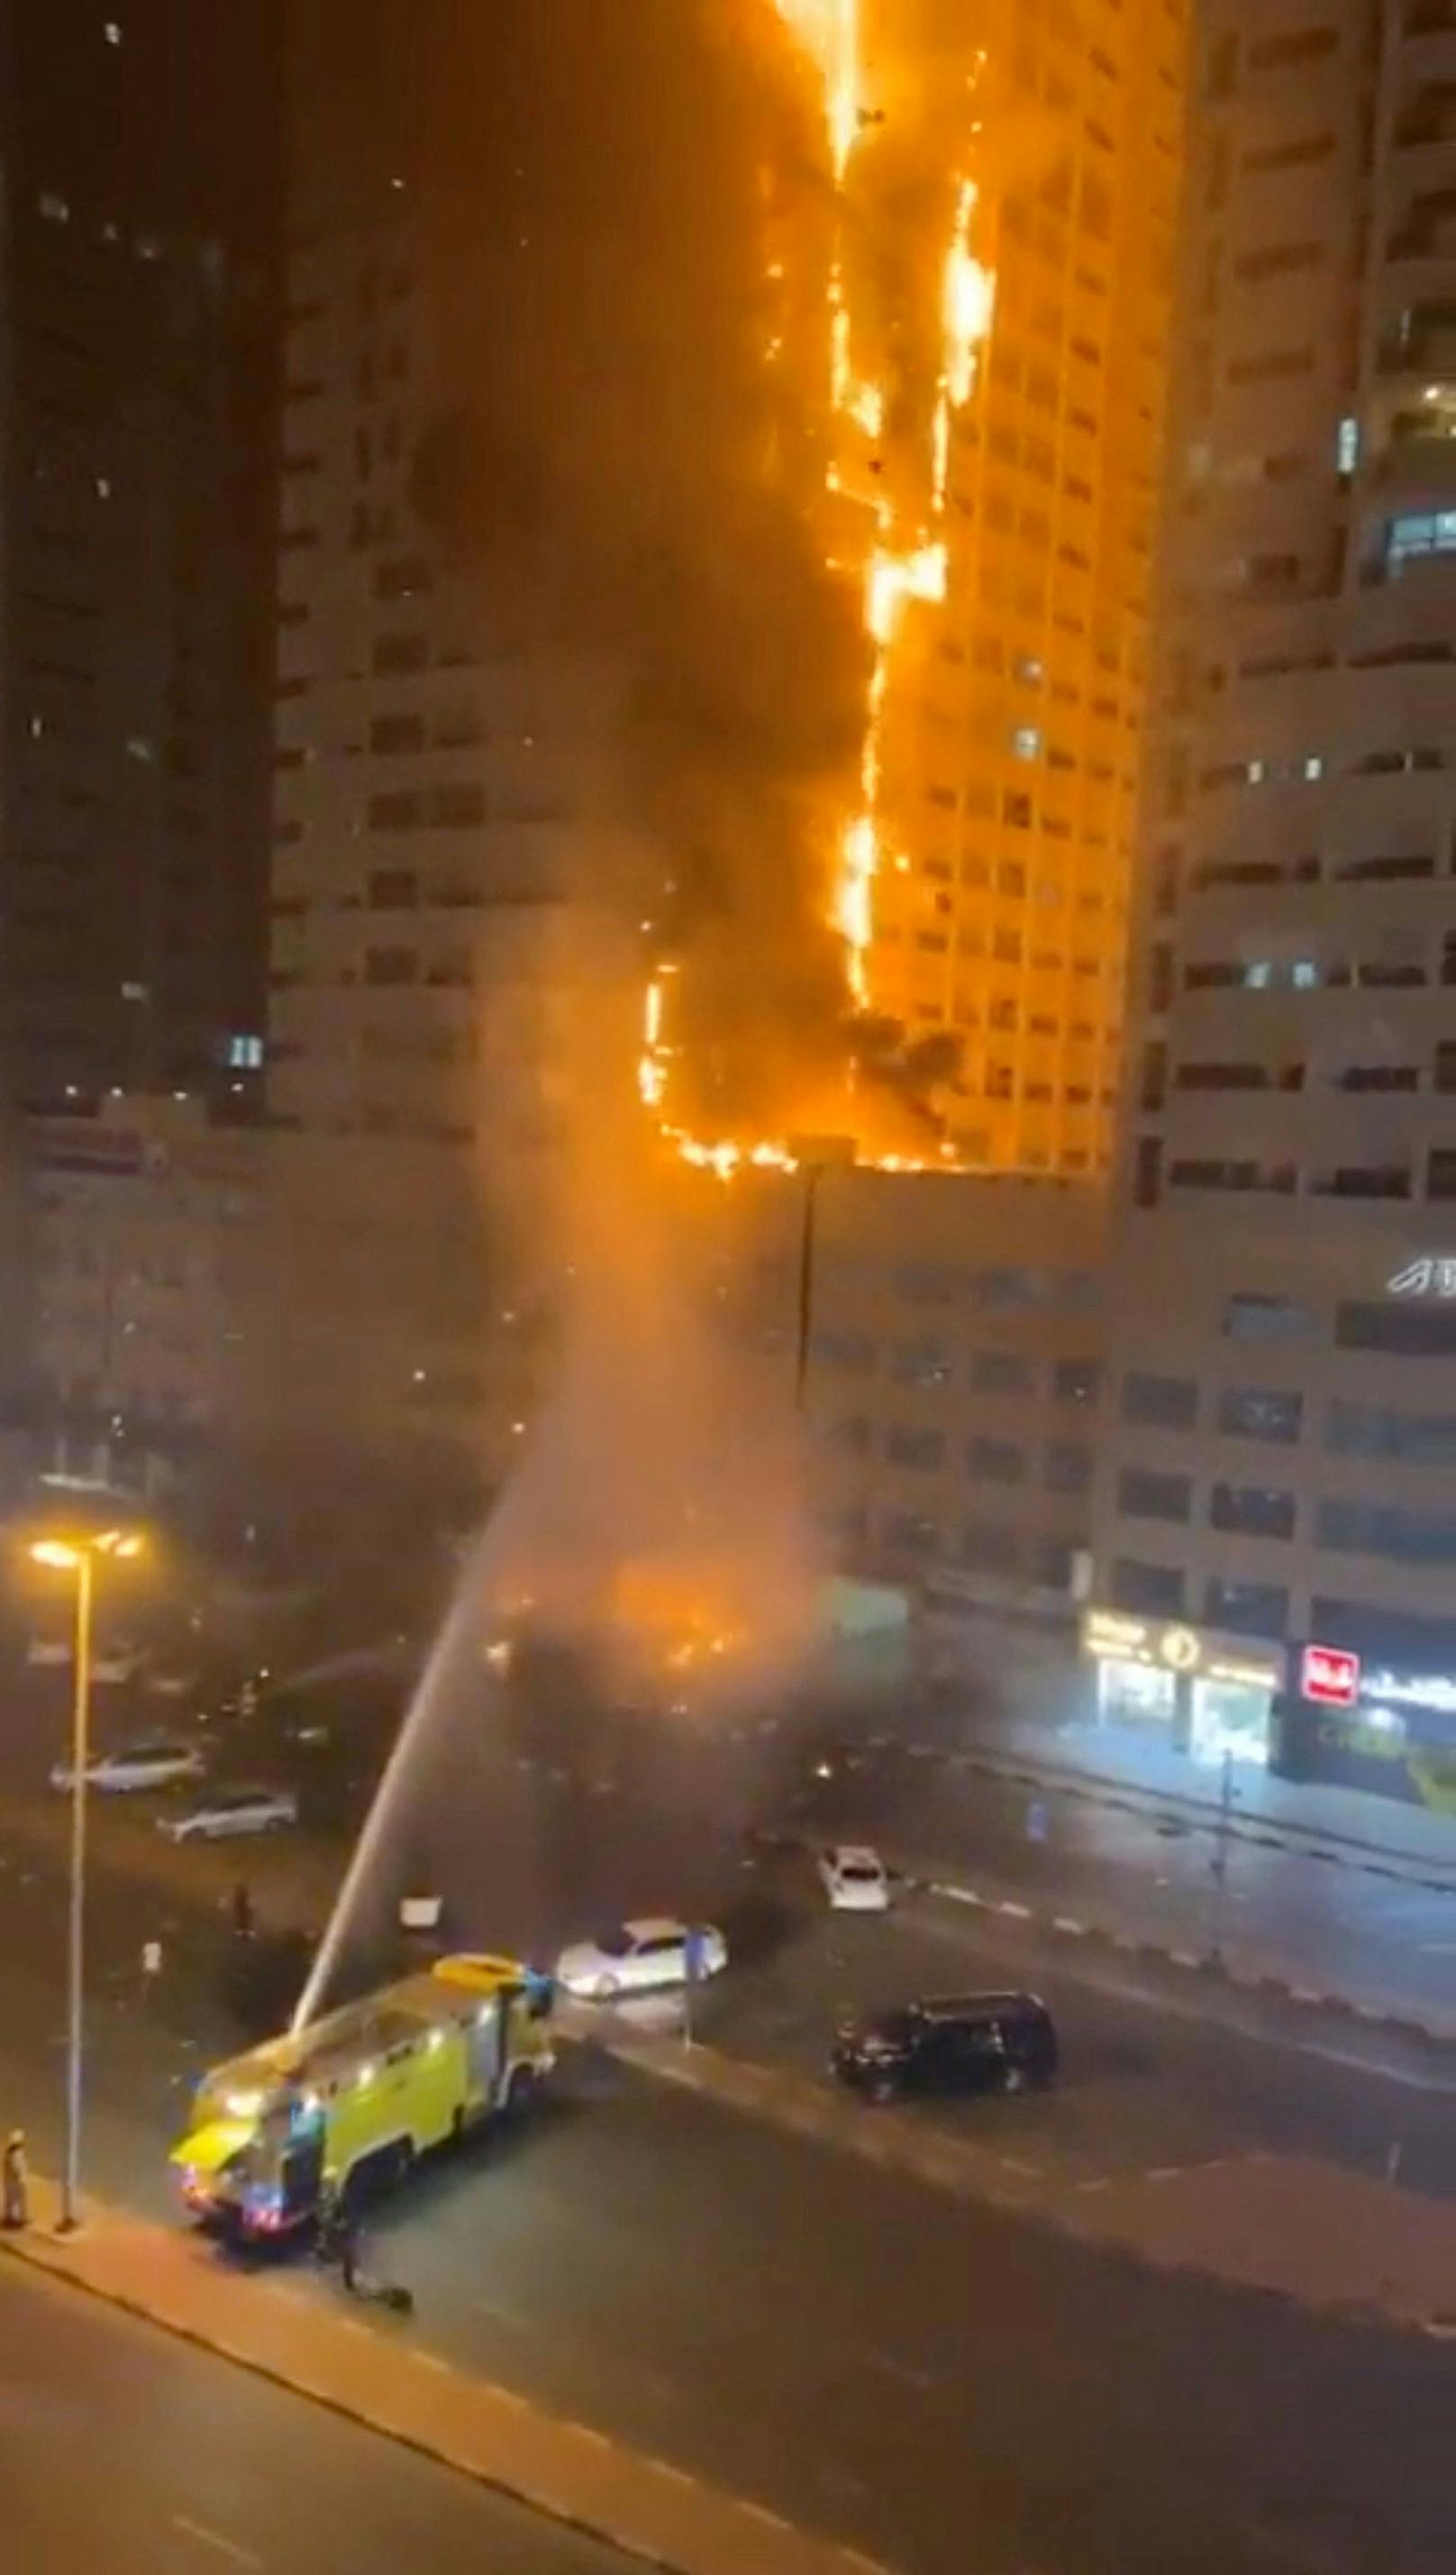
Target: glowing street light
<point x="79" y="1556"/>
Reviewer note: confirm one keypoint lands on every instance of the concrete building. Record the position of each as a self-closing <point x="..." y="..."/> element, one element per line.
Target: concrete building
<point x="137" y="339"/>
<point x="1275" y="1528"/>
<point x="1015" y="710"/>
<point x="955" y="1332"/>
<point x="434" y="753"/>
<point x="143" y="1222"/>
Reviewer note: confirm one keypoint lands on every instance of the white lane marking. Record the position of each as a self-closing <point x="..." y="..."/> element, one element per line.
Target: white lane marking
<point x="761" y="2512"/>
<point x="1017" y="1913"/>
<point x="199" y="2531"/>
<point x="1104" y="2182"/>
<point x="677" y="2476"/>
<point x="1068" y="1922"/>
<point x="430" y="2360"/>
<point x="902" y="2369"/>
<point x="1015" y="2165"/>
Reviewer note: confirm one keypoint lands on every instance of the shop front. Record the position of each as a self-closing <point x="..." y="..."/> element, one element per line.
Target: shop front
<point x="1205" y="1693"/>
<point x="1353" y="1722"/>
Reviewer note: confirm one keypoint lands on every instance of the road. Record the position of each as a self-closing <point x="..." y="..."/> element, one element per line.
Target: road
<point x="917" y="2373"/>
<point x="121" y="2447"/>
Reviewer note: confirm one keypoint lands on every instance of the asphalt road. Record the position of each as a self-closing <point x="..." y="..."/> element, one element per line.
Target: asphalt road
<point x="924" y="2377"/>
<point x="121" y="2447"/>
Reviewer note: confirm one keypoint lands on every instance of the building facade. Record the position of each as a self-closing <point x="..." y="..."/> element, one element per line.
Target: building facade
<point x="143" y="1222"/>
<point x="954" y="1339"/>
<point x="1014" y="709"/>
<point x="1276" y="1519"/>
<point x="137" y="340"/>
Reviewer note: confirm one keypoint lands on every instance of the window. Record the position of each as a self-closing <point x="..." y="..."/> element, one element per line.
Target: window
<point x="998" y="1461"/>
<point x="1266" y="1318"/>
<point x="397" y="810"/>
<point x="1143" y="1496"/>
<point x="1248" y="1609"/>
<point x="920" y="1363"/>
<point x="1277" y="261"/>
<point x="1417" y="1438"/>
<point x="397" y="732"/>
<point x="1260" y="1413"/>
<point x="1381" y="1528"/>
<point x="1252" y="1510"/>
<point x="397" y="653"/>
<point x="1148" y="1590"/>
<point x="1302" y="45"/>
<point x="1405" y="1332"/>
<point x="1441" y="1171"/>
<point x="1162" y="1402"/>
<point x="1050" y="1563"/>
<point x="243" y="1052"/>
<point x="1001" y="1373"/>
<point x="1076" y="1381"/>
<point x="1007" y="1287"/>
<point x="390" y="966"/>
<point x="454" y="807"/>
<point x="393" y="889"/>
<point x="1068" y="1467"/>
<point x="908" y="1444"/>
<point x="1419" y="531"/>
<point x="402" y="577"/>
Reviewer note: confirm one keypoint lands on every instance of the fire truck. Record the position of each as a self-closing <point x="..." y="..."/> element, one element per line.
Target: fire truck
<point x="345" y="2105"/>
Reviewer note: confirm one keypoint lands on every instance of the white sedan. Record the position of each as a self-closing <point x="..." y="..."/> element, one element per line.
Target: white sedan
<point x="232" y="1810"/>
<point x="162" y="1763"/>
<point x="637" y="1957"/>
<point x="854" y="1879"/>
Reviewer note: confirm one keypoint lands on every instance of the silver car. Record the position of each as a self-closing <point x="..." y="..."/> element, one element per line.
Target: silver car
<point x="232" y="1810"/>
<point x="161" y="1764"/>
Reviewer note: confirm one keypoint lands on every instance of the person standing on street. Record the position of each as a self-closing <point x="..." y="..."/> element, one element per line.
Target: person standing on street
<point x="16" y="2191"/>
<point x="243" y="1916"/>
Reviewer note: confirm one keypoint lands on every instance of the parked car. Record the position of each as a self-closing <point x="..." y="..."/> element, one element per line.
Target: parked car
<point x="854" y="1879"/>
<point x="158" y="1763"/>
<point x="172" y="1680"/>
<point x="116" y="1664"/>
<point x="961" y="2043"/>
<point x="634" y="1957"/>
<point x="225" y="1811"/>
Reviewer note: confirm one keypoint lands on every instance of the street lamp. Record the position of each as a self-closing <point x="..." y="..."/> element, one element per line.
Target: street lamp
<point x="79" y="1556"/>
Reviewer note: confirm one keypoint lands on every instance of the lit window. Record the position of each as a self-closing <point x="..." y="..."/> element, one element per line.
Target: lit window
<point x="112" y="32"/>
<point x="244" y="1053"/>
<point x="1419" y="531"/>
<point x="139" y="748"/>
<point x="54" y="208"/>
<point x="1313" y="765"/>
<point x="1026" y="743"/>
<point x="1255" y="771"/>
<point x="1347" y="445"/>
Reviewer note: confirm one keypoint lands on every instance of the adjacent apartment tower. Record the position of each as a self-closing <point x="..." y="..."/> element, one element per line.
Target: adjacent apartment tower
<point x="1277" y="1521"/>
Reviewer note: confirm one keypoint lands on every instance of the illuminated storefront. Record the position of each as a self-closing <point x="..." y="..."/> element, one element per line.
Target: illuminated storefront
<point x="1210" y="1694"/>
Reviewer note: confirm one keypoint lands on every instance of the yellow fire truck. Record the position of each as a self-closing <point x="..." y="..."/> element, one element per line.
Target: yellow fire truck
<point x="348" y="2102"/>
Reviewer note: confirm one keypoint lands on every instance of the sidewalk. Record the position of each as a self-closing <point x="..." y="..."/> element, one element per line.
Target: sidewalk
<point x="1289" y="2226"/>
<point x="386" y="2380"/>
<point x="1117" y="1760"/>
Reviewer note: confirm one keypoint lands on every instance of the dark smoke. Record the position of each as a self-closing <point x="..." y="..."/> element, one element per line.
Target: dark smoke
<point x="625" y="474"/>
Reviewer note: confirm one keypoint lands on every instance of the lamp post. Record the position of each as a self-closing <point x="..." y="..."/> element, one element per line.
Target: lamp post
<point x="78" y="1556"/>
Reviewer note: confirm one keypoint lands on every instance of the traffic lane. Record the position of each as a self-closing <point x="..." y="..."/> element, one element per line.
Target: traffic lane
<point x="940" y="2384"/>
<point x="1149" y="2079"/>
<point x="1146" y="2079"/>
<point x="1336" y="1927"/>
<point x="123" y="2447"/>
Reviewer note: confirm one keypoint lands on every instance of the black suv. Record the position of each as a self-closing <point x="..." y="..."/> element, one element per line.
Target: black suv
<point x="964" y="2043"/>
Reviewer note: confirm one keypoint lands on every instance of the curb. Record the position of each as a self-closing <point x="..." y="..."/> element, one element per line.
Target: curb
<point x="801" y="2111"/>
<point x="1098" y="1788"/>
<point x="1248" y="1980"/>
<point x="52" y="2266"/>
